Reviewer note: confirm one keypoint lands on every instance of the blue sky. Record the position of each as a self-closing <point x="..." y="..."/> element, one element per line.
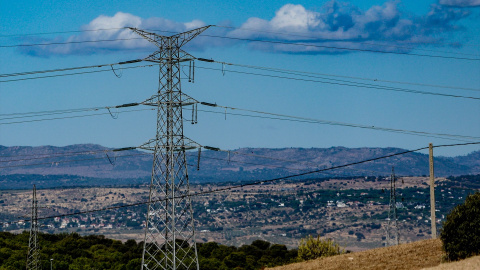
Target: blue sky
<point x="340" y="35"/>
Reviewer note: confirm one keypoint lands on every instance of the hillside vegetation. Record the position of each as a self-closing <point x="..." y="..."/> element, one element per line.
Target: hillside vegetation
<point x="76" y="252"/>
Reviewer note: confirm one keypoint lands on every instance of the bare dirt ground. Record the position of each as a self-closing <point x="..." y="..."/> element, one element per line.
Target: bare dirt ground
<point x="416" y="255"/>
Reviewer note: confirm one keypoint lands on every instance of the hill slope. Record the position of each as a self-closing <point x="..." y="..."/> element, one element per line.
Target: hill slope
<point x="416" y="255"/>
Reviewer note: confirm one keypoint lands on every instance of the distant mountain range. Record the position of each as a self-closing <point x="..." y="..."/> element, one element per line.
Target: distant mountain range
<point x="89" y="161"/>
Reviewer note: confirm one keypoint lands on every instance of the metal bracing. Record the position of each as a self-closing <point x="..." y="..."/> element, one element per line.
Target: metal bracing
<point x="392" y="220"/>
<point x="33" y="256"/>
<point x="169" y="241"/>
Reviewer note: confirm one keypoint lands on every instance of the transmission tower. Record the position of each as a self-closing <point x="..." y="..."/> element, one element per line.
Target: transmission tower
<point x="392" y="226"/>
<point x="33" y="256"/>
<point x="169" y="241"/>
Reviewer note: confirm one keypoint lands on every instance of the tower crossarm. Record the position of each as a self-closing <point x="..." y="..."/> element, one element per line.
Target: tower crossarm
<point x="182" y="38"/>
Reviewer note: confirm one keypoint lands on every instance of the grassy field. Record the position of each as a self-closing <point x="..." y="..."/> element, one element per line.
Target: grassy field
<point x="426" y="254"/>
<point x="416" y="255"/>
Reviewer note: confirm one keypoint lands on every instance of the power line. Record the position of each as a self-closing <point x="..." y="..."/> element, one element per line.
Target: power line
<point x="66" y="42"/>
<point x="345" y="48"/>
<point x="11" y="116"/>
<point x="68" y="161"/>
<point x="317" y="122"/>
<point x="275" y="117"/>
<point x="299" y="72"/>
<point x="250" y="40"/>
<point x="334" y="123"/>
<point x="54" y="155"/>
<point x="70" y="117"/>
<point x="76" y="73"/>
<point x="293" y="72"/>
<point x="351" y="84"/>
<point x="313" y="38"/>
<point x="289" y="33"/>
<point x="62" y="32"/>
<point x="68" y="69"/>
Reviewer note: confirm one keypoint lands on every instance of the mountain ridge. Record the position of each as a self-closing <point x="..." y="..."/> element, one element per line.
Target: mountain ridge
<point x="96" y="161"/>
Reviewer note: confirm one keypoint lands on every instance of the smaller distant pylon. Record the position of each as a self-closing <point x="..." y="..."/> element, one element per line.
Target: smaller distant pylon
<point x="392" y="220"/>
<point x="33" y="256"/>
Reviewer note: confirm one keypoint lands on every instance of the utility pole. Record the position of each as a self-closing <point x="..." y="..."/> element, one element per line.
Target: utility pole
<point x="33" y="256"/>
<point x="432" y="193"/>
<point x="392" y="225"/>
<point x="169" y="241"/>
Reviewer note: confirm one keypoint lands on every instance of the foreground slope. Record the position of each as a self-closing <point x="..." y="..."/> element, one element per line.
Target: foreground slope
<point x="472" y="263"/>
<point x="416" y="255"/>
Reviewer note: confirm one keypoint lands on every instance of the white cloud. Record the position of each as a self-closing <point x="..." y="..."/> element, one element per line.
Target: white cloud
<point x="344" y="25"/>
<point x="337" y="24"/>
<point x="115" y="28"/>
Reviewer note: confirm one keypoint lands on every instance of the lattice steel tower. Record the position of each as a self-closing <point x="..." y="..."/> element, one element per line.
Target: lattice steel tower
<point x="392" y="220"/>
<point x="33" y="256"/>
<point x="169" y="232"/>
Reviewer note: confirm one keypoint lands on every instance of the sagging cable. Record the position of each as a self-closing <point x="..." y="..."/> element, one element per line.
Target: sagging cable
<point x="113" y="115"/>
<point x="109" y="159"/>
<point x="118" y="75"/>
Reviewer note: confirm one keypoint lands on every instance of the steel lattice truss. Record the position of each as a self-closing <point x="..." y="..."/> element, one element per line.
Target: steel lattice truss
<point x="33" y="256"/>
<point x="392" y="220"/>
<point x="169" y="232"/>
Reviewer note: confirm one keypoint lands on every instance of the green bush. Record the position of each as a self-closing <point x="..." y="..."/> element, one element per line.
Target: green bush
<point x="311" y="248"/>
<point x="461" y="230"/>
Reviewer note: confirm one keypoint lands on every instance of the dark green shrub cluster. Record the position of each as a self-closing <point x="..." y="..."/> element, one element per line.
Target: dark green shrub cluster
<point x="311" y="248"/>
<point x="259" y="254"/>
<point x="461" y="230"/>
<point x="72" y="252"/>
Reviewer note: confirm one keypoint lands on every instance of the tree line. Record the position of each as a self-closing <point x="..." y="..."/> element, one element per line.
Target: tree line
<point x="72" y="251"/>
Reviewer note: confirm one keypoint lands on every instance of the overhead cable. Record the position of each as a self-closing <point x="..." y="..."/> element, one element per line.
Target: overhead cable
<point x="251" y="40"/>
<point x="351" y="84"/>
<point x="299" y="72"/>
<point x="328" y="122"/>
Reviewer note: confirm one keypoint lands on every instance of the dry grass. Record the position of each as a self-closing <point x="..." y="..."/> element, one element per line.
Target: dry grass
<point x="467" y="264"/>
<point x="416" y="255"/>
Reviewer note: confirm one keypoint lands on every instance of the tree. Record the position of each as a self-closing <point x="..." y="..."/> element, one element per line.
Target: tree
<point x="461" y="230"/>
<point x="311" y="248"/>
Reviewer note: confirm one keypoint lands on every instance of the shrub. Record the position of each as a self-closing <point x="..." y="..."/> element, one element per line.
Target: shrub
<point x="461" y="230"/>
<point x="311" y="248"/>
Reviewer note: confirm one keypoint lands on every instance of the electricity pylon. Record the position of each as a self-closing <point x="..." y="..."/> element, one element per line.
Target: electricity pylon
<point x="169" y="241"/>
<point x="392" y="226"/>
<point x="33" y="256"/>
